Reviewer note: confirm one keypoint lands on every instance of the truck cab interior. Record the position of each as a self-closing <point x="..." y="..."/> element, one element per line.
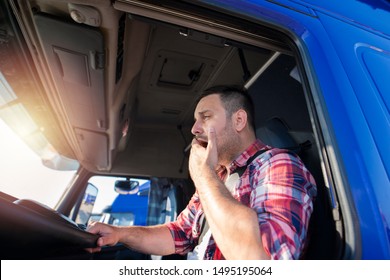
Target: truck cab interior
<point x="113" y="85"/>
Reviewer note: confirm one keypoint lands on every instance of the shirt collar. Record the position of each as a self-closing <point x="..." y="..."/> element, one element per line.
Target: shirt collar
<point x="242" y="159"/>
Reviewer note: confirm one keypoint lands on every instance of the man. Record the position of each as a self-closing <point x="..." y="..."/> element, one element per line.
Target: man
<point x="251" y="201"/>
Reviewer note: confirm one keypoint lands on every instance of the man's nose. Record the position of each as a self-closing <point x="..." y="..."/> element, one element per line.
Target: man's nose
<point x="196" y="128"/>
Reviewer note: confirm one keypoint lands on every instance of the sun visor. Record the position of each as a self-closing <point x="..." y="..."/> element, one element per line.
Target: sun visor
<point x="75" y="56"/>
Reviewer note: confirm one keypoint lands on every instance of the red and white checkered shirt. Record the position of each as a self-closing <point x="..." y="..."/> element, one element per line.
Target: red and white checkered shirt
<point x="277" y="185"/>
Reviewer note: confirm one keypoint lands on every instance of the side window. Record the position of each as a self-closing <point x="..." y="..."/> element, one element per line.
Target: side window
<point x="163" y="201"/>
<point x="116" y="207"/>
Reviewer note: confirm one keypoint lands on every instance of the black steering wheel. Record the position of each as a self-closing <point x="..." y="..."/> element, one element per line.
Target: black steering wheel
<point x="31" y="230"/>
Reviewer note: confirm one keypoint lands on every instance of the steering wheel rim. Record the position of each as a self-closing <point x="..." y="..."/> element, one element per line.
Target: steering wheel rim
<point x="29" y="228"/>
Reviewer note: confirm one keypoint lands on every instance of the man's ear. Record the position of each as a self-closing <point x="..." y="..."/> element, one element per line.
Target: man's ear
<point x="240" y="119"/>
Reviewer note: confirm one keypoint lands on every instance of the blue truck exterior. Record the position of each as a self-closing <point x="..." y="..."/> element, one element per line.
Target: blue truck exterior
<point x="136" y="204"/>
<point x="345" y="50"/>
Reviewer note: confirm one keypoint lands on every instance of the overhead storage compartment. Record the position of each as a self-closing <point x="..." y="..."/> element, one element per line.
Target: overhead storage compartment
<point x="76" y="59"/>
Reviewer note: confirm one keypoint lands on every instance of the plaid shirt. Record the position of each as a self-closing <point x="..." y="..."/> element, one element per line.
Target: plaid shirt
<point x="277" y="186"/>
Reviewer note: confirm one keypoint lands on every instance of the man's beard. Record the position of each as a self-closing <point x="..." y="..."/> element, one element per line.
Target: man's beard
<point x="227" y="145"/>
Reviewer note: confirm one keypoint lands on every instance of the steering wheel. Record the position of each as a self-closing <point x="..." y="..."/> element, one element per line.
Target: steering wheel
<point x="31" y="230"/>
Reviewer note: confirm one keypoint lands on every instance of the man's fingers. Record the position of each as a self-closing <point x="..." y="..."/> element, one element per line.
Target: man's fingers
<point x="93" y="250"/>
<point x="94" y="230"/>
<point x="103" y="231"/>
<point x="212" y="151"/>
<point x="96" y="249"/>
<point x="103" y="241"/>
<point x="211" y="138"/>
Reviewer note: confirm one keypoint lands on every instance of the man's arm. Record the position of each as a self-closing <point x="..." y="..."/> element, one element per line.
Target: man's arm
<point x="155" y="240"/>
<point x="234" y="226"/>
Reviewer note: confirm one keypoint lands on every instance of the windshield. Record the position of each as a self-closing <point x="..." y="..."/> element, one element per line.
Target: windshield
<point x="24" y="149"/>
<point x="24" y="176"/>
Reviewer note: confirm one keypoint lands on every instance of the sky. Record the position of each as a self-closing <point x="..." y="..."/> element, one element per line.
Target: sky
<point x="22" y="174"/>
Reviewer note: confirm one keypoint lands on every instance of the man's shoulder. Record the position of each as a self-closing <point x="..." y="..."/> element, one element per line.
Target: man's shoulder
<point x="275" y="157"/>
<point x="276" y="153"/>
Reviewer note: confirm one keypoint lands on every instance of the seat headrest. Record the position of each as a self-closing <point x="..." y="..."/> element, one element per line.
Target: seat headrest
<point x="275" y="133"/>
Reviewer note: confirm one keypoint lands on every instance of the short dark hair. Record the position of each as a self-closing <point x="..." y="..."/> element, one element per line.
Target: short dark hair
<point x="233" y="98"/>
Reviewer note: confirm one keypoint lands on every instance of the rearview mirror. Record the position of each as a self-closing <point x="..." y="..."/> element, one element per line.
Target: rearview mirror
<point x="126" y="186"/>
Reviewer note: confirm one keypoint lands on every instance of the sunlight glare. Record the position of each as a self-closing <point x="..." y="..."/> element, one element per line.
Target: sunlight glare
<point x="22" y="173"/>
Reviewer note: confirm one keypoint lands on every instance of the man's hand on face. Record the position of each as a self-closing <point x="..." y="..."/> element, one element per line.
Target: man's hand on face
<point x="204" y="155"/>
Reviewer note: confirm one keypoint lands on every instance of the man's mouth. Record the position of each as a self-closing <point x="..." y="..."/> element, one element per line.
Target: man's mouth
<point x="201" y="141"/>
<point x="203" y="144"/>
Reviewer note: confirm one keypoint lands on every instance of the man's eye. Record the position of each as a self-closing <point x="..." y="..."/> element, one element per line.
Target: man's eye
<point x="206" y="117"/>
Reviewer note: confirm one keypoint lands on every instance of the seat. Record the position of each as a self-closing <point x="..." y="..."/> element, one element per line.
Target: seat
<point x="324" y="240"/>
<point x="275" y="133"/>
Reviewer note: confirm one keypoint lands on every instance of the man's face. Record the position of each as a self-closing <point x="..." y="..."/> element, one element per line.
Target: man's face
<point x="210" y="113"/>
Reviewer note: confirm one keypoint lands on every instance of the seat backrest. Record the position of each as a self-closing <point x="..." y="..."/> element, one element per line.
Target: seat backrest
<point x="275" y="133"/>
<point x="324" y="240"/>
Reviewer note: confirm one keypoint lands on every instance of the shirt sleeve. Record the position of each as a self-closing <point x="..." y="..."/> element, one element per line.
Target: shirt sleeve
<point x="282" y="196"/>
<point x="186" y="228"/>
